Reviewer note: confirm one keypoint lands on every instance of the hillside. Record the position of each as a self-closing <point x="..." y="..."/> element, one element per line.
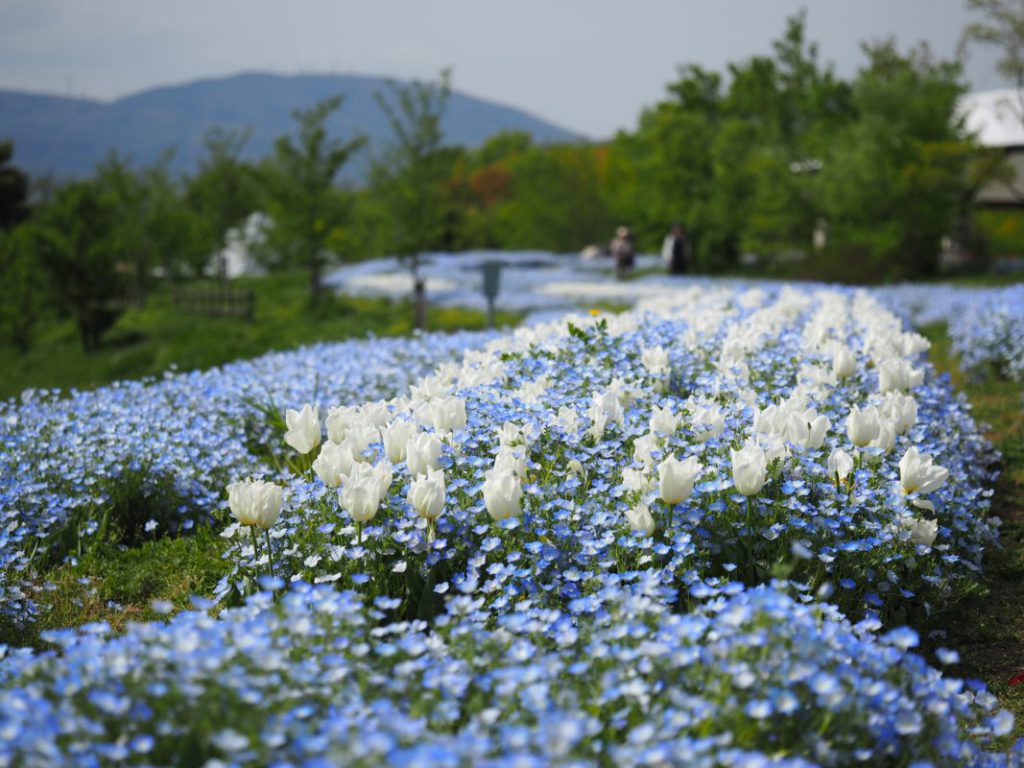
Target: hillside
<point x="61" y="136"/>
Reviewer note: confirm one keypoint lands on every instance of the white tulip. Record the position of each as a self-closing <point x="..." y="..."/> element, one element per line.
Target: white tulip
<point x="255" y="502"/>
<point x="333" y="462"/>
<point x="840" y="464"/>
<point x="923" y="532"/>
<point x="375" y="414"/>
<point x="844" y="362"/>
<point x="919" y="474"/>
<point x="383" y="472"/>
<point x="637" y="480"/>
<point x="395" y="438"/>
<point x="502" y="493"/>
<point x="423" y="453"/>
<point x="862" y="426"/>
<point x="656" y="360"/>
<point x="511" y="460"/>
<point x="749" y="468"/>
<point x="644" y="448"/>
<point x="641" y="520"/>
<point x="448" y="414"/>
<point x="359" y="437"/>
<point x="898" y="374"/>
<point x="886" y="439"/>
<point x="427" y="494"/>
<point x="338" y="422"/>
<point x="568" y="420"/>
<point x="360" y="494"/>
<point x="304" y="432"/>
<point x="902" y="409"/>
<point x="663" y="421"/>
<point x="708" y="422"/>
<point x="676" y="479"/>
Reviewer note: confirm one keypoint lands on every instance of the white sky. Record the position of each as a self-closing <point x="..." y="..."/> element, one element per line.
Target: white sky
<point x="588" y="65"/>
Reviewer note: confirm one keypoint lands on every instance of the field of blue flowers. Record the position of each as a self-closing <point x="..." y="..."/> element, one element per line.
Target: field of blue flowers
<point x="698" y="533"/>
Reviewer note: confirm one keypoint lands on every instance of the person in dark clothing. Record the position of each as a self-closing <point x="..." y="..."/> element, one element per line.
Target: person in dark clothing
<point x="623" y="251"/>
<point x="676" y="251"/>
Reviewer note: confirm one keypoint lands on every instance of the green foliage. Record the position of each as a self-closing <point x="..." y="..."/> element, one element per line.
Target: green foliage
<point x="13" y="189"/>
<point x="221" y="194"/>
<point x="78" y="245"/>
<point x="22" y="288"/>
<point x="409" y="178"/>
<point x="304" y="204"/>
<point x="146" y="340"/>
<point x="896" y="177"/>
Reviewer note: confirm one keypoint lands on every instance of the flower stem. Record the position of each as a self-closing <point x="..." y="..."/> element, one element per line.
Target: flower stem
<point x="255" y="549"/>
<point x="270" y="552"/>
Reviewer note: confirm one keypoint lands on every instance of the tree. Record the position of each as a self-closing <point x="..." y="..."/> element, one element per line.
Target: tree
<point x="409" y="178"/>
<point x="13" y="189"/>
<point x="1003" y="29"/>
<point x="305" y="206"/>
<point x="222" y="193"/>
<point x="21" y="296"/>
<point x="892" y="185"/>
<point x="77" y="245"/>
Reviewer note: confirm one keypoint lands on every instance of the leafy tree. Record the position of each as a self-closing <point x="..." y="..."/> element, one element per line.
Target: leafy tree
<point x="1002" y="28"/>
<point x="304" y="204"/>
<point x="76" y="239"/>
<point x="13" y="189"/>
<point x="893" y="183"/>
<point x="222" y="193"/>
<point x="409" y="178"/>
<point x="22" y="292"/>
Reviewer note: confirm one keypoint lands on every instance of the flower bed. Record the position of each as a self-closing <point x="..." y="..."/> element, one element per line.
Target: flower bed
<point x="757" y="678"/>
<point x="684" y="535"/>
<point x="741" y="435"/>
<point x="163" y="450"/>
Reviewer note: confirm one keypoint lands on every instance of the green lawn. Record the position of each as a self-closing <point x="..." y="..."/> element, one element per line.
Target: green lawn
<point x="147" y="341"/>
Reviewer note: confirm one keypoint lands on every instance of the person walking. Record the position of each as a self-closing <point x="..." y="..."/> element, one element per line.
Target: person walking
<point x="623" y="251"/>
<point x="675" y="250"/>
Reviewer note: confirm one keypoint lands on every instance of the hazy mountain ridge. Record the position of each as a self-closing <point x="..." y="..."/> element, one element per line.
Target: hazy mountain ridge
<point x="67" y="136"/>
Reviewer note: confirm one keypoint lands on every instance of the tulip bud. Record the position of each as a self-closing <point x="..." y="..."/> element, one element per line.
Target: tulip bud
<point x="676" y="479"/>
<point x="886" y="439"/>
<point x="923" y="532"/>
<point x="304" y="432"/>
<point x="840" y="464"/>
<point x="255" y="502"/>
<point x="919" y="474"/>
<point x="448" y="414"/>
<point x="360" y="494"/>
<point x="862" y="425"/>
<point x="663" y="421"/>
<point x="641" y="520"/>
<point x="844" y="363"/>
<point x="568" y="420"/>
<point x="502" y="493"/>
<point x="427" y="494"/>
<point x="339" y="420"/>
<point x="656" y="360"/>
<point x="644" y="448"/>
<point x="395" y="438"/>
<point x="749" y="468"/>
<point x="333" y="462"/>
<point x="375" y="414"/>
<point x="423" y="453"/>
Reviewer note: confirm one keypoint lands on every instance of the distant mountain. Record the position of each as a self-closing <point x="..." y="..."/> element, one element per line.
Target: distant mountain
<point x="66" y="137"/>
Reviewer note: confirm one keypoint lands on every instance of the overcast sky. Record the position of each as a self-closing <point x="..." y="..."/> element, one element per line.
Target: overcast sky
<point x="588" y="65"/>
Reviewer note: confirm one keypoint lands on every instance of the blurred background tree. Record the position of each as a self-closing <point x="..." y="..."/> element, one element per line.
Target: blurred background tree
<point x="306" y="207"/>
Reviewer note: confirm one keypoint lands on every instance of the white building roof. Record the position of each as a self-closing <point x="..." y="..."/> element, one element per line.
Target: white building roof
<point x="995" y="117"/>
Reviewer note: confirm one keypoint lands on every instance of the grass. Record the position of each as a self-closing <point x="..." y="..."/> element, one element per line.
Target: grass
<point x="988" y="630"/>
<point x="147" y="341"/>
<point x="117" y="584"/>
